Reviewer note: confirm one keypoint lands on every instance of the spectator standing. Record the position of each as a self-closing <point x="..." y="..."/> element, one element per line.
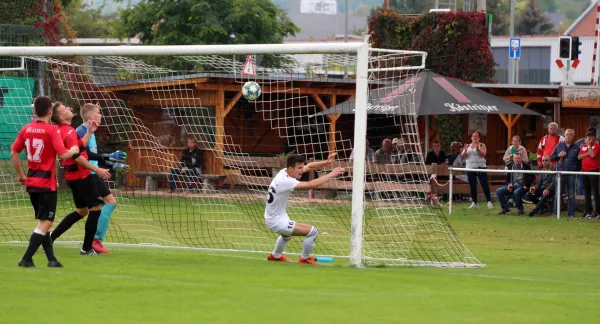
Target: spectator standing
<point x="545" y="186"/>
<point x="517" y="185"/>
<point x="589" y="154"/>
<point x="579" y="143"/>
<point x="474" y="154"/>
<point x="548" y="143"/>
<point x="566" y="156"/>
<point x="436" y="156"/>
<point x="514" y="148"/>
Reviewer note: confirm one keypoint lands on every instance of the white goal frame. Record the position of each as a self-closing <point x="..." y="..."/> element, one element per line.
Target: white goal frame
<point x="360" y="49"/>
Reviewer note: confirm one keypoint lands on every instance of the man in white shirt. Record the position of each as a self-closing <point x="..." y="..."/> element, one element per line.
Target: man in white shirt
<point x="282" y="186"/>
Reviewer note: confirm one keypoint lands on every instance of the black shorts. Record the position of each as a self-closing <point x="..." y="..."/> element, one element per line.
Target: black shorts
<point x="85" y="193"/>
<point x="102" y="187"/>
<point x="44" y="204"/>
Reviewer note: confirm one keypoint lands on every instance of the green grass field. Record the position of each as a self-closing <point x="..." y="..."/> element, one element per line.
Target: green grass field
<point x="539" y="270"/>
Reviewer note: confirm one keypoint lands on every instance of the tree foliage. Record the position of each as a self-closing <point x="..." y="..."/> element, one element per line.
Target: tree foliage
<point x="88" y="22"/>
<point x="500" y="11"/>
<point x="198" y="22"/>
<point x="533" y="21"/>
<point x="456" y="42"/>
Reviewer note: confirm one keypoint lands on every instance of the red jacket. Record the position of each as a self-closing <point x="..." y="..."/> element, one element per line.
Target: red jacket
<point x="547" y="145"/>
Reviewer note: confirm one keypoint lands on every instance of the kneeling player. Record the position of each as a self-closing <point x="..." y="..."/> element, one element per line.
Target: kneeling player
<point x="42" y="142"/>
<point x="80" y="181"/>
<point x="284" y="183"/>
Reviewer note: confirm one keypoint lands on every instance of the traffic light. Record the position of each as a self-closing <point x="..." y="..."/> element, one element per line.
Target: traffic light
<point x="575" y="51"/>
<point x="564" y="51"/>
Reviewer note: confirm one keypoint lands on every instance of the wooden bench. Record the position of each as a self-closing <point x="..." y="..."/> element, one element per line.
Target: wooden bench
<point x="209" y="181"/>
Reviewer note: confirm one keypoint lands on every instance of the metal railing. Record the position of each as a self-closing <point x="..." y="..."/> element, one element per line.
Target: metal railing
<point x="557" y="184"/>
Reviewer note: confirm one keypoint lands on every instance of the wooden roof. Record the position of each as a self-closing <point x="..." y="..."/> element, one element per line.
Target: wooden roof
<point x="521" y="93"/>
<point x="232" y="82"/>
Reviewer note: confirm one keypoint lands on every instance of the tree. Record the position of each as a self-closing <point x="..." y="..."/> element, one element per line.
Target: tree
<point x="533" y="21"/>
<point x="548" y="5"/>
<point x="89" y="22"/>
<point x="500" y="11"/>
<point x="197" y="22"/>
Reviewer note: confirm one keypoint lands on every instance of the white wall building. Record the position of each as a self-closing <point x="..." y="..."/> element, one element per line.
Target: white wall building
<point x="538" y="60"/>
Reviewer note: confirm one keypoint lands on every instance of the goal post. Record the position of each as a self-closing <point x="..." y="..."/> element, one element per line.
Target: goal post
<point x="153" y="98"/>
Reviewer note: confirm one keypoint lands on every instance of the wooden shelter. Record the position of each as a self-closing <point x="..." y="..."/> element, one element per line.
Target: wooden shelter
<point x="235" y="122"/>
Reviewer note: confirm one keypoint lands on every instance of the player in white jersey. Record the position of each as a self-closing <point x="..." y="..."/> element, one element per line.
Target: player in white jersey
<point x="284" y="183"/>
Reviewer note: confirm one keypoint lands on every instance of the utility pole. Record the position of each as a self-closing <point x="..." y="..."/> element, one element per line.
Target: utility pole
<point x="511" y="62"/>
<point x="481" y="5"/>
<point x="128" y="8"/>
<point x="346" y="40"/>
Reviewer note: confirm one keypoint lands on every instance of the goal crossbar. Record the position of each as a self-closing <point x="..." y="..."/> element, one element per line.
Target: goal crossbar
<point x="163" y="50"/>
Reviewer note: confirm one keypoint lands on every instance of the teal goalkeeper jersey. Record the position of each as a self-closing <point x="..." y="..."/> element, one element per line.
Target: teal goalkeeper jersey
<point x="81" y="130"/>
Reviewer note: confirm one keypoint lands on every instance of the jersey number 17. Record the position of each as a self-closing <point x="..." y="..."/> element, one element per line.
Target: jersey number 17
<point x="36" y="144"/>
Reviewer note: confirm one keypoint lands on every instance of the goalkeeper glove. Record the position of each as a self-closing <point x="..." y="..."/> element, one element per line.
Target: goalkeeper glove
<point x="119" y="167"/>
<point x="117" y="156"/>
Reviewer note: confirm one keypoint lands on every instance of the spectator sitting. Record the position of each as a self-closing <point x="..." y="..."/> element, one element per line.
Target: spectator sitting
<point x="436" y="156"/>
<point x="548" y="143"/>
<point x="514" y="148"/>
<point x="385" y="155"/>
<point x="517" y="185"/>
<point x="589" y="155"/>
<point x="191" y="159"/>
<point x="459" y="161"/>
<point x="566" y="157"/>
<point x="454" y="152"/>
<point x="395" y="145"/>
<point x="370" y="155"/>
<point x="544" y="187"/>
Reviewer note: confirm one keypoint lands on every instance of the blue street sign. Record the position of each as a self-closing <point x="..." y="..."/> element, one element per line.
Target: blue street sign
<point x="514" y="48"/>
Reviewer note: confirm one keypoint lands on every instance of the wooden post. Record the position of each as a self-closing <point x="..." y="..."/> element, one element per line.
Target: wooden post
<point x="332" y="125"/>
<point x="557" y="112"/>
<point x="219" y="133"/>
<point x="332" y="118"/>
<point x="510" y="125"/>
<point x="386" y="4"/>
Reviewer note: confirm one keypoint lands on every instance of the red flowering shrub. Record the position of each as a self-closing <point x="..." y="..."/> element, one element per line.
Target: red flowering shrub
<point x="456" y="42"/>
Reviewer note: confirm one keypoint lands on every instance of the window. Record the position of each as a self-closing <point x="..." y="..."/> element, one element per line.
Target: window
<point x="534" y="65"/>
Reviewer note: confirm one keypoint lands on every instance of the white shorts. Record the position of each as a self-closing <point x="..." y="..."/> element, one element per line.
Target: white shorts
<point x="281" y="225"/>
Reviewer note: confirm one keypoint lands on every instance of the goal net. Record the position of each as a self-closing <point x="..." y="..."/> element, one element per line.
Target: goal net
<point x="153" y="103"/>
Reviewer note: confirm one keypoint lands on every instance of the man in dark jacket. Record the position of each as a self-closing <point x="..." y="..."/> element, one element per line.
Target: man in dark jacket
<point x="566" y="155"/>
<point x="517" y="185"/>
<point x="191" y="162"/>
<point x="544" y="189"/>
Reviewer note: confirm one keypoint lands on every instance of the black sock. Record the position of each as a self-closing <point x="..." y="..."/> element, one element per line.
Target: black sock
<point x="48" y="247"/>
<point x="65" y="224"/>
<point x="91" y="225"/>
<point x="34" y="244"/>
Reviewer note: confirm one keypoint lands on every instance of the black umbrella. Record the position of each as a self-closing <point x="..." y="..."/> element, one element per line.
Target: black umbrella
<point x="428" y="93"/>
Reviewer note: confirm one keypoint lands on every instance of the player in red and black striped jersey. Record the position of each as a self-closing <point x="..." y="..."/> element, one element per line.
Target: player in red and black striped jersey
<point x="79" y="178"/>
<point x="42" y="142"/>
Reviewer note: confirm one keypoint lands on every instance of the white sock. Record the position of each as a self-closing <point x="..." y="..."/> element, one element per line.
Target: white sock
<point x="280" y="245"/>
<point x="309" y="243"/>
